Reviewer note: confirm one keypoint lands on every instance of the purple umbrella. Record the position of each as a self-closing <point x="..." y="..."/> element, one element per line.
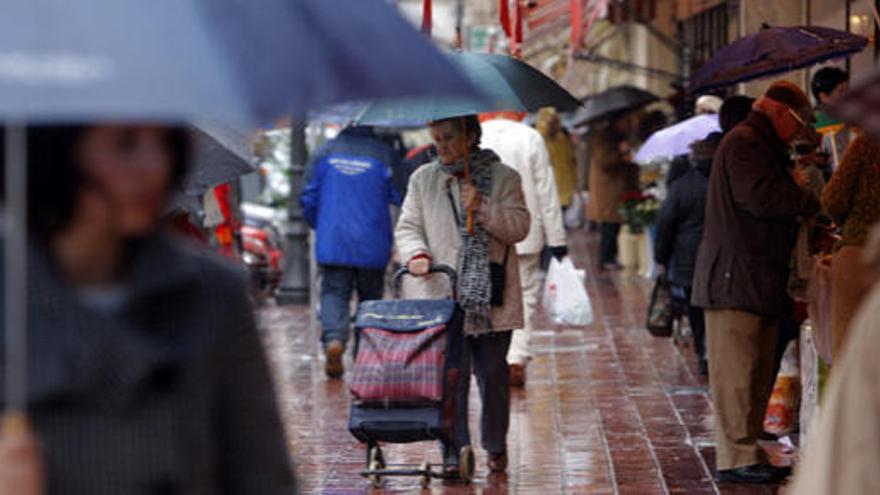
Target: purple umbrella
<point x="772" y="51"/>
<point x="667" y="143"/>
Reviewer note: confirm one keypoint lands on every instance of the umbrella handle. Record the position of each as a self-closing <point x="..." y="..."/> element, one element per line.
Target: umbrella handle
<point x="467" y="177"/>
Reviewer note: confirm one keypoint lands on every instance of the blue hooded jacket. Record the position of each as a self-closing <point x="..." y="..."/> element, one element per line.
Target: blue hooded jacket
<point x="347" y="197"/>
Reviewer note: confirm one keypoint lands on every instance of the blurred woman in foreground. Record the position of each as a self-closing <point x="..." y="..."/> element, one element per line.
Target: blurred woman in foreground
<point x="146" y="371"/>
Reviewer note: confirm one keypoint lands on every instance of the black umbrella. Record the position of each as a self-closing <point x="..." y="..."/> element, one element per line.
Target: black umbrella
<point x="220" y="154"/>
<point x="612" y="101"/>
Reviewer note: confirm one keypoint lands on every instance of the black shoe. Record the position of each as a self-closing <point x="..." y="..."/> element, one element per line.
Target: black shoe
<point x="704" y="367"/>
<point x="762" y="474"/>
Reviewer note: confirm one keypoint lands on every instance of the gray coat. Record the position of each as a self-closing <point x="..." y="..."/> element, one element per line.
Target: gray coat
<point x="171" y="394"/>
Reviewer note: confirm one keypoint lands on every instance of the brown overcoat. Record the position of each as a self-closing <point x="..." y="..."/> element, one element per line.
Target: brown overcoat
<point x="752" y="214"/>
<point x="611" y="175"/>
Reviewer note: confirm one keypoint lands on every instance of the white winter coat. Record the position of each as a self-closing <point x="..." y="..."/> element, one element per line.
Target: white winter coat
<point x="522" y="148"/>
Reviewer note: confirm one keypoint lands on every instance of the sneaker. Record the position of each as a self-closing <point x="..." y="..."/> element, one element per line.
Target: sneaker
<point x="518" y="375"/>
<point x="333" y="367"/>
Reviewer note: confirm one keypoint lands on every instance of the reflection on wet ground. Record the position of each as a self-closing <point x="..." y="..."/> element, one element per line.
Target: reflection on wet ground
<point x="607" y="409"/>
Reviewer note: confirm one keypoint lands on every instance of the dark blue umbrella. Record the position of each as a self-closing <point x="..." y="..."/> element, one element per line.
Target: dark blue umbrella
<point x="172" y="59"/>
<point x="772" y="51"/>
<point x="181" y="60"/>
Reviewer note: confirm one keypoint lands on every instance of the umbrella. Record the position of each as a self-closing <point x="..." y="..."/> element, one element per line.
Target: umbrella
<point x="676" y="139"/>
<point x="772" y="51"/>
<point x="509" y="84"/>
<point x="167" y="59"/>
<point x="612" y="101"/>
<point x="180" y="60"/>
<point x="220" y="154"/>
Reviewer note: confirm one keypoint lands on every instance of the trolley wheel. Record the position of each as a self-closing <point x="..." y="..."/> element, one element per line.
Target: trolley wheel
<point x="375" y="462"/>
<point x="375" y="479"/>
<point x="466" y="464"/>
<point x="374" y="454"/>
<point x="425" y="468"/>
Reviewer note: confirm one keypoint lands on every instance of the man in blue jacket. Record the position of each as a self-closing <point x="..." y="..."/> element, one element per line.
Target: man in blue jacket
<point x="347" y="202"/>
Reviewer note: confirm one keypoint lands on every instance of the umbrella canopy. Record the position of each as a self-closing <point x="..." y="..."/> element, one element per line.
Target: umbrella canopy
<point x="611" y="101"/>
<point x="775" y="50"/>
<point x="508" y="83"/>
<point x="184" y="59"/>
<point x="220" y="154"/>
<point x="675" y="140"/>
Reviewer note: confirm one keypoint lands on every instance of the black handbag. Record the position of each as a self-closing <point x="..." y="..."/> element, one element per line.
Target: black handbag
<point x="660" y="311"/>
<point x="498" y="279"/>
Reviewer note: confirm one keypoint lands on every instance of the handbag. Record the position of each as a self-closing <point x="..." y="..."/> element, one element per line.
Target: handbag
<point x="497" y="271"/>
<point x="498" y="280"/>
<point x="660" y="315"/>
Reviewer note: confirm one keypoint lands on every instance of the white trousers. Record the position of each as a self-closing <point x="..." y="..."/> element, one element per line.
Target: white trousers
<point x="530" y="277"/>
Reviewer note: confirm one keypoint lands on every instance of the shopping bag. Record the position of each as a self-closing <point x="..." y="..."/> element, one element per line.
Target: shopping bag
<point x="660" y="310"/>
<point x="781" y="414"/>
<point x="820" y="306"/>
<point x="575" y="214"/>
<point x="565" y="297"/>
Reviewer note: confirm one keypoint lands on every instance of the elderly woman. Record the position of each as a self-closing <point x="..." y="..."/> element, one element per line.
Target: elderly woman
<point x="433" y="228"/>
<point x="147" y="373"/>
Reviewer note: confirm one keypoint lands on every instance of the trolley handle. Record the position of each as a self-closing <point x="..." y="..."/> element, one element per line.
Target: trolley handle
<point x="446" y="269"/>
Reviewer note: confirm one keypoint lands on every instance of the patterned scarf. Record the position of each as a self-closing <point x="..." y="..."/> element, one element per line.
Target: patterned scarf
<point x="473" y="257"/>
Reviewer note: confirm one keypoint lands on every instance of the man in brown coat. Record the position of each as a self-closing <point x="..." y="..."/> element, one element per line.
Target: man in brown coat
<point x="752" y="214"/>
<point x="612" y="173"/>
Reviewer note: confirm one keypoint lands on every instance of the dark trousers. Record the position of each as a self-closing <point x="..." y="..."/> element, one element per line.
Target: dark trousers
<point x="337" y="286"/>
<point x="608" y="233"/>
<point x="488" y="359"/>
<point x="698" y="325"/>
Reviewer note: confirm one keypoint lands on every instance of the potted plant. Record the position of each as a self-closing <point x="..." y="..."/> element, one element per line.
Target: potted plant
<point x="638" y="211"/>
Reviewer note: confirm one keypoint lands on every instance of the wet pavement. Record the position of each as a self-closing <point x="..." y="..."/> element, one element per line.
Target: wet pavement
<point x="607" y="409"/>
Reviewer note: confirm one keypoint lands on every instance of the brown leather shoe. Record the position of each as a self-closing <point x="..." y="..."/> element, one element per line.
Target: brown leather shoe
<point x="497" y="462"/>
<point x="518" y="375"/>
<point x="333" y="367"/>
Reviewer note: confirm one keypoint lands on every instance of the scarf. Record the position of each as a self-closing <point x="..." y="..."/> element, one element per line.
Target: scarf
<point x="473" y="256"/>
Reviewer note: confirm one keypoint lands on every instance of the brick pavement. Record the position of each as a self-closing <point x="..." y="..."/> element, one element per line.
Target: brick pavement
<point x="608" y="409"/>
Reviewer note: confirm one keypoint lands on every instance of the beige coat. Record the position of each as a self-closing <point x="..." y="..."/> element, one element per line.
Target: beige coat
<point x="611" y="175"/>
<point x="427" y="225"/>
<point x="842" y="455"/>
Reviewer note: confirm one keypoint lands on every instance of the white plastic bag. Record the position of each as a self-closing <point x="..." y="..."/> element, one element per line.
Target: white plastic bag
<point x="574" y="215"/>
<point x="565" y="296"/>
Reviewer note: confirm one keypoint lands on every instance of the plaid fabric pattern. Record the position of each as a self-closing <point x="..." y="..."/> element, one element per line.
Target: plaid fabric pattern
<point x="400" y="367"/>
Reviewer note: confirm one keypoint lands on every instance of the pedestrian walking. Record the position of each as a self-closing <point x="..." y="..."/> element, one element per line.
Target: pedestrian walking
<point x="852" y="198"/>
<point x="612" y="173"/>
<point x="522" y="148"/>
<point x="148" y="375"/>
<point x="680" y="230"/>
<point x="467" y="182"/>
<point x="561" y="150"/>
<point x="682" y="217"/>
<point x="346" y="201"/>
<point x="752" y="214"/>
